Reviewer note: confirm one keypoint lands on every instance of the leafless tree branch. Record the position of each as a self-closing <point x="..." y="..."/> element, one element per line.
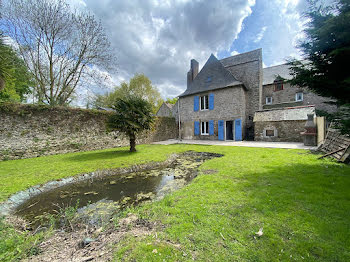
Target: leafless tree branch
<point x="59" y="46"/>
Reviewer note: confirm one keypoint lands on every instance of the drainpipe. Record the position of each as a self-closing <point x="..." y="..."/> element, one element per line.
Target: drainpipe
<point x="178" y="113"/>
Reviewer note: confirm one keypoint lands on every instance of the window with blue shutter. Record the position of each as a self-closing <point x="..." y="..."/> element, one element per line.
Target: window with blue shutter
<point x="196" y="103"/>
<point x="211" y="101"/>
<point x="211" y="127"/>
<point x="196" y="128"/>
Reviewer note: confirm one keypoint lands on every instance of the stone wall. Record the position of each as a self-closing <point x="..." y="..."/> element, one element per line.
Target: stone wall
<point x="285" y="131"/>
<point x="30" y="131"/>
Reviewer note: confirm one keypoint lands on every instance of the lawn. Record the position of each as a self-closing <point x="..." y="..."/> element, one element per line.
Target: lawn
<point x="302" y="204"/>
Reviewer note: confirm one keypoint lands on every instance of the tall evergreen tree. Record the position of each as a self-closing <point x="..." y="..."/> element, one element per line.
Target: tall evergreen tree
<point x="326" y="51"/>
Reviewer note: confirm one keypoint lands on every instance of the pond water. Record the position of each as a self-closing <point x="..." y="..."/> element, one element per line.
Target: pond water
<point x="126" y="189"/>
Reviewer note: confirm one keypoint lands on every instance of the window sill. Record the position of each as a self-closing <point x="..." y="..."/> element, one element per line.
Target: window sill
<point x="203" y="109"/>
<point x="204" y="134"/>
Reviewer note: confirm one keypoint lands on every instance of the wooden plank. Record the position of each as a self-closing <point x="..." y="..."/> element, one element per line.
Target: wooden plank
<point x="335" y="145"/>
<point x="346" y="155"/>
<point x="331" y="153"/>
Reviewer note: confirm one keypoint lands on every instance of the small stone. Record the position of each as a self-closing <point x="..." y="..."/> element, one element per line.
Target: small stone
<point x="90" y="193"/>
<point x="85" y="259"/>
<point x="86" y="241"/>
<point x="99" y="230"/>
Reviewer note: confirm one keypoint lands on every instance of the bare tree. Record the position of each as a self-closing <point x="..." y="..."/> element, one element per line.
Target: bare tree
<point x="59" y="46"/>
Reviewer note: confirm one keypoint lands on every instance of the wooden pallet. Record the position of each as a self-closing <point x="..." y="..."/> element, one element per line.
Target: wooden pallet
<point x="336" y="145"/>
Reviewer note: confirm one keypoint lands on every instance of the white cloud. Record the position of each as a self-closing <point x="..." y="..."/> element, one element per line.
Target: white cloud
<point x="276" y="62"/>
<point x="234" y="52"/>
<point x="285" y="31"/>
<point x="77" y="4"/>
<point x="260" y="35"/>
<point x="158" y="38"/>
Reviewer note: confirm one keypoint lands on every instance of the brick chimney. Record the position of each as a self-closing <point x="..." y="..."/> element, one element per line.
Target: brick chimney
<point x="191" y="75"/>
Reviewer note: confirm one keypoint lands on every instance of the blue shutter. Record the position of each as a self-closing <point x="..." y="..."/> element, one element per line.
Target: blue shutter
<point x="196" y="128"/>
<point x="211" y="127"/>
<point x="238" y="130"/>
<point x="196" y="103"/>
<point x="211" y="101"/>
<point x="221" y="130"/>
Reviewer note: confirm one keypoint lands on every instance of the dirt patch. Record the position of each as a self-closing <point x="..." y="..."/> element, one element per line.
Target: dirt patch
<point x="91" y="244"/>
<point x="209" y="171"/>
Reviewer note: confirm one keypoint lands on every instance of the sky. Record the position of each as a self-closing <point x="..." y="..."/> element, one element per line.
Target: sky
<point x="159" y="38"/>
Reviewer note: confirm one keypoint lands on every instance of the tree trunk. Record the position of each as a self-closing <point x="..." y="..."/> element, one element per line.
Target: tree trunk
<point x="2" y="84"/>
<point x="132" y="143"/>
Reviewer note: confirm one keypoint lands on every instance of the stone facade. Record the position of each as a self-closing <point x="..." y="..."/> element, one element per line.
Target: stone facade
<point x="281" y="125"/>
<point x="285" y="131"/>
<point x="286" y="98"/>
<point x="239" y="100"/>
<point x="229" y="104"/>
<point x="31" y="131"/>
<point x="247" y="68"/>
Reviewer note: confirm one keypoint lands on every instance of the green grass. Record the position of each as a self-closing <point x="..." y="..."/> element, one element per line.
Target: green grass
<point x="302" y="204"/>
<point x="17" y="244"/>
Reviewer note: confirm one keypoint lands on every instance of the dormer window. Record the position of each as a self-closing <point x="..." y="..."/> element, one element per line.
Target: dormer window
<point x="278" y="85"/>
<point x="204" y="103"/>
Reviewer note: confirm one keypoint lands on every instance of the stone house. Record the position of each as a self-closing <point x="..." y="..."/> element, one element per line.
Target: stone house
<point x="165" y="110"/>
<point x="285" y="107"/>
<point x="279" y="93"/>
<point x="222" y="100"/>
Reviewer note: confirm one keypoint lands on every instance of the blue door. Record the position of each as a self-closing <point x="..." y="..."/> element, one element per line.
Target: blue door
<point x="221" y="130"/>
<point x="238" y="130"/>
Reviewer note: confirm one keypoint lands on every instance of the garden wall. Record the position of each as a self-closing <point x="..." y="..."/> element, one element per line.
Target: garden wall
<point x="35" y="130"/>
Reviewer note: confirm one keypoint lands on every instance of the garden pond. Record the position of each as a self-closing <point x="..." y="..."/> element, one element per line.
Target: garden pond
<point x="119" y="189"/>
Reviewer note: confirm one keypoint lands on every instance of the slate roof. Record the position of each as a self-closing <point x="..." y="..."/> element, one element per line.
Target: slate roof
<point x="220" y="77"/>
<point x="243" y="58"/>
<point x="270" y="73"/>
